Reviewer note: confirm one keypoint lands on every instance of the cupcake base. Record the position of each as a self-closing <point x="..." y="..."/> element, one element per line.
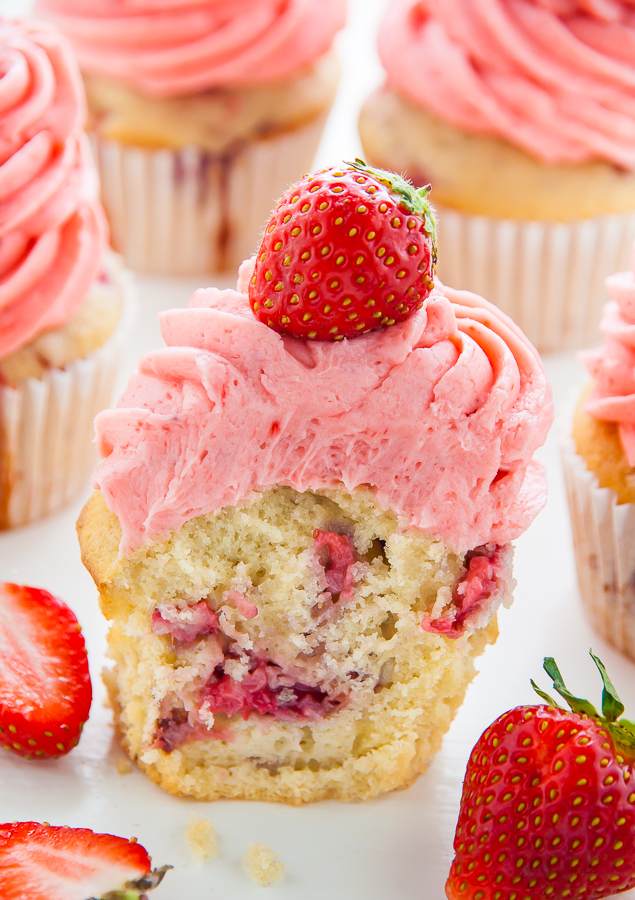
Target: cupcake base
<point x="46" y="428"/>
<point x="189" y="212"/>
<point x="298" y="647"/>
<point x="548" y="277"/>
<point x="604" y="543"/>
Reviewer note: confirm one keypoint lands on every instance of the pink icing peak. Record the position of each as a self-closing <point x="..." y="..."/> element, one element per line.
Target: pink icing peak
<point x="185" y="46"/>
<point x="439" y="415"/>
<point x="612" y="365"/>
<point x="52" y="230"/>
<point x="555" y="77"/>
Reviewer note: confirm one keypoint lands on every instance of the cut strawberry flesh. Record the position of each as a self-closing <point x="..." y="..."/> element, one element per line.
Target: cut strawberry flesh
<point x="43" y="862"/>
<point x="45" y="689"/>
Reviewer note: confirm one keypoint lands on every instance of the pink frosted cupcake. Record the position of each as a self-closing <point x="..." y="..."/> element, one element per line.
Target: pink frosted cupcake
<point x="522" y="115"/>
<point x="61" y="299"/>
<point x="202" y="112"/>
<point x="600" y="473"/>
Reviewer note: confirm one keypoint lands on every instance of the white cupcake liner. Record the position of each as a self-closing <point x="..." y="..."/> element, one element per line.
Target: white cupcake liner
<point x="190" y="211"/>
<point x="604" y="543"/>
<point x="46" y="428"/>
<point x="548" y="277"/>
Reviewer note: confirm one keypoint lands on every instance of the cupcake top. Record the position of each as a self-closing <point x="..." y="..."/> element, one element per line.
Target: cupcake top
<point x="612" y="365"/>
<point x="439" y="414"/>
<point x="187" y="46"/>
<point x="554" y="77"/>
<point x="52" y="231"/>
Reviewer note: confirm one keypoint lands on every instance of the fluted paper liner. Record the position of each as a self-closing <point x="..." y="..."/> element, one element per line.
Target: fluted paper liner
<point x="548" y="277"/>
<point x="46" y="429"/>
<point x="190" y="211"/>
<point x="604" y="543"/>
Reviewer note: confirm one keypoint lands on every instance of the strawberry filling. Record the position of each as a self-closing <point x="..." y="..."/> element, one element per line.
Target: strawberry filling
<point x="267" y="691"/>
<point x="336" y="555"/>
<point x="485" y="578"/>
<point x="185" y="625"/>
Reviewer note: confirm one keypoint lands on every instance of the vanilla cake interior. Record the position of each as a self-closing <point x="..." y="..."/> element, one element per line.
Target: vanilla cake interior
<point x="275" y="650"/>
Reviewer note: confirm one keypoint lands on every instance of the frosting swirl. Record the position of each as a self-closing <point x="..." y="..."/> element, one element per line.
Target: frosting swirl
<point x="612" y="365"/>
<point x="440" y="415"/>
<point x="52" y="231"/>
<point x="554" y="77"/>
<point x="186" y="46"/>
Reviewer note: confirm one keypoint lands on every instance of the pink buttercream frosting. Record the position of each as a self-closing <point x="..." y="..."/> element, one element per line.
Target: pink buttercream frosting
<point x="52" y="231"/>
<point x="184" y="46"/>
<point x="554" y="77"/>
<point x="440" y="415"/>
<point x="612" y="365"/>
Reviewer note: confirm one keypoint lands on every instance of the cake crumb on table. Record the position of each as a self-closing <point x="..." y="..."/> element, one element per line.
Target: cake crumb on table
<point x="124" y="766"/>
<point x="201" y="835"/>
<point x="263" y="865"/>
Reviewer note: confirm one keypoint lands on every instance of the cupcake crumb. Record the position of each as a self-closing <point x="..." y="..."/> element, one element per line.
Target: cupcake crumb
<point x="124" y="766"/>
<point x="201" y="835"/>
<point x="263" y="865"/>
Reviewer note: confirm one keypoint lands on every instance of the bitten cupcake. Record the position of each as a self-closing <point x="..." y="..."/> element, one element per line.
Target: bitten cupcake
<point x="522" y="116"/>
<point x="600" y="473"/>
<point x="202" y="113"/>
<point x="302" y="523"/>
<point x="61" y="297"/>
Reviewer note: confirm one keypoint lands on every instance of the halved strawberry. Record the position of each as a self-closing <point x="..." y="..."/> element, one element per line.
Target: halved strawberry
<point x="48" y="862"/>
<point x="45" y="689"/>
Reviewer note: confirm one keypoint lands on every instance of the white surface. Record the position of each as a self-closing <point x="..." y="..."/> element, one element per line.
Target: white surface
<point x="399" y="845"/>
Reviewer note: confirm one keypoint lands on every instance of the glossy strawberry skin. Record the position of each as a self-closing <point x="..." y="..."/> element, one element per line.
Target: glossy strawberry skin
<point x="341" y="256"/>
<point x="45" y="688"/>
<point x="547" y="811"/>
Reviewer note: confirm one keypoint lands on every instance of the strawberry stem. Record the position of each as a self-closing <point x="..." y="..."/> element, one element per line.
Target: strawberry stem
<point x="622" y="731"/>
<point x="136" y="890"/>
<point x="576" y="704"/>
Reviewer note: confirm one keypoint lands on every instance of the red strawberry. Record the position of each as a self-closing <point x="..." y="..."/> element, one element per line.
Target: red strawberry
<point x="47" y="862"/>
<point x="346" y="251"/>
<point x="45" y="689"/>
<point x="548" y="805"/>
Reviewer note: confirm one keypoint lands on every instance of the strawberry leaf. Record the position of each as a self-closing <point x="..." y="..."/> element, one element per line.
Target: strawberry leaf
<point x="135" y="890"/>
<point x="548" y="700"/>
<point x="576" y="704"/>
<point x="612" y="706"/>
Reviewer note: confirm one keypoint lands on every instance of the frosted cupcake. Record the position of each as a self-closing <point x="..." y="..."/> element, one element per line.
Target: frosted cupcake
<point x="302" y="536"/>
<point x="61" y="298"/>
<point x="522" y="116"/>
<point x="600" y="473"/>
<point x="202" y="113"/>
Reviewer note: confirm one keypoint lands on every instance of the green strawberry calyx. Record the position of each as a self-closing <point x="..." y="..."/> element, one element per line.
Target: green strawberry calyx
<point x="413" y="200"/>
<point x="622" y="731"/>
<point x="136" y="890"/>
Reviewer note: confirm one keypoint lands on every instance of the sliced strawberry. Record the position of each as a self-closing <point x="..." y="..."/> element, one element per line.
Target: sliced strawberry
<point x="47" y="862"/>
<point x="45" y="689"/>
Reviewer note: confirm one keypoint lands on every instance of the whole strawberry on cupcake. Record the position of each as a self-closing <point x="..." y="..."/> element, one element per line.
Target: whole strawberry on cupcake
<point x="347" y="251"/>
<point x="303" y="515"/>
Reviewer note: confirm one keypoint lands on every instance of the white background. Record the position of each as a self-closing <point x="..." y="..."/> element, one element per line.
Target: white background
<point x="397" y="845"/>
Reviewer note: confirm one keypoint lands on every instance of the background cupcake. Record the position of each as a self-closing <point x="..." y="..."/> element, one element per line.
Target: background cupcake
<point x="60" y="299"/>
<point x="600" y="473"/>
<point x="523" y="118"/>
<point x="202" y="113"/>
